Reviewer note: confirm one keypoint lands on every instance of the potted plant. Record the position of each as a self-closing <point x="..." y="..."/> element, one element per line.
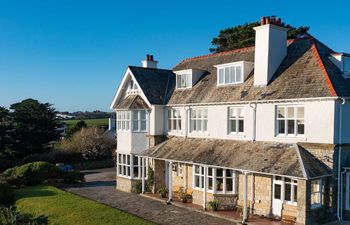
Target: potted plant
<point x="163" y="192"/>
<point x="214" y="204"/>
<point x="183" y="195"/>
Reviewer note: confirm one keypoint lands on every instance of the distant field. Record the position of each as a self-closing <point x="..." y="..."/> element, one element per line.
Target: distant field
<point x="89" y="122"/>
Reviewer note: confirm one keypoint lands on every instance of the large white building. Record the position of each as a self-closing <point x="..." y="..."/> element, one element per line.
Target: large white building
<point x="265" y="129"/>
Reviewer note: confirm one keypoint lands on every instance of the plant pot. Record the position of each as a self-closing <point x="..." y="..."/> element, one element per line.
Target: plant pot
<point x="184" y="200"/>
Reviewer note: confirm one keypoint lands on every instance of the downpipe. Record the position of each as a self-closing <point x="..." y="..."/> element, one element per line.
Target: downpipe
<point x="340" y="182"/>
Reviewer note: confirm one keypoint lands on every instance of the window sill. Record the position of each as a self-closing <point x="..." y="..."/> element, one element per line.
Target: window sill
<point x="199" y="133"/>
<point x="138" y="131"/>
<point x="236" y="135"/>
<point x="173" y="132"/>
<point x="227" y="85"/>
<point x="290" y="203"/>
<point x="316" y="206"/>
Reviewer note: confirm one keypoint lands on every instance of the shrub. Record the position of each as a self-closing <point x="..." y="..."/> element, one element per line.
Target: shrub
<point x="150" y="179"/>
<point x="11" y="216"/>
<point x="163" y="192"/>
<point x="54" y="156"/>
<point x="92" y="143"/>
<point x="6" y="193"/>
<point x="138" y="187"/>
<point x="32" y="173"/>
<point x="38" y="172"/>
<point x="214" y="204"/>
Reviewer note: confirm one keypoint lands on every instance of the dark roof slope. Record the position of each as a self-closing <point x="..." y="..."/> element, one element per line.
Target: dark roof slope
<point x="133" y="102"/>
<point x="261" y="157"/>
<point x="156" y="84"/>
<point x="300" y="75"/>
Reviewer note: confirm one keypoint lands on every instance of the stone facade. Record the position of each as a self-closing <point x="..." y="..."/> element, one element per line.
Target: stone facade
<point x="125" y="184"/>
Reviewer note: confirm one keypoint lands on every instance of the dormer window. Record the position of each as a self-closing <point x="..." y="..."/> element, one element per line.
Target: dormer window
<point x="233" y="73"/>
<point x="187" y="78"/>
<point x="230" y="75"/>
<point x="183" y="80"/>
<point x="342" y="61"/>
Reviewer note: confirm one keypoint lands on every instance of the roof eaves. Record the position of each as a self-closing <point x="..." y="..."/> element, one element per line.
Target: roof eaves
<point x="323" y="68"/>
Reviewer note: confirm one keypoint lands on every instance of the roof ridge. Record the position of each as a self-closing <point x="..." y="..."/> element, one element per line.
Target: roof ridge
<point x="244" y="49"/>
<point x="322" y="67"/>
<point x="149" y="68"/>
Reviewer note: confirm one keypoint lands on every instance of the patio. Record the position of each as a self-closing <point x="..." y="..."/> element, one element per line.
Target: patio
<point x="233" y="216"/>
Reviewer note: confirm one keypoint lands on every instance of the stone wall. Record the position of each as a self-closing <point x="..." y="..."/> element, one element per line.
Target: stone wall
<point x="125" y="184"/>
<point x="159" y="175"/>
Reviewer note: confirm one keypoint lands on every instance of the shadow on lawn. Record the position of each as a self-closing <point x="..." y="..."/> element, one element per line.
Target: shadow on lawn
<point x="34" y="193"/>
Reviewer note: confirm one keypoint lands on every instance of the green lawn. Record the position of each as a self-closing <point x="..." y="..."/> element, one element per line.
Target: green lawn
<point x="89" y="122"/>
<point x="65" y="208"/>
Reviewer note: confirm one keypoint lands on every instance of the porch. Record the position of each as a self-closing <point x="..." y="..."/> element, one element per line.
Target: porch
<point x="230" y="215"/>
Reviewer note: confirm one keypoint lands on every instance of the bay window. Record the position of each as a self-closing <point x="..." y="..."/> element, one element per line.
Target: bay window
<point x="139" y="121"/>
<point x="290" y="120"/>
<point x="130" y="166"/>
<point x="316" y="193"/>
<point x="174" y="120"/>
<point x="236" y="120"/>
<point x="199" y="120"/>
<point x="123" y="120"/>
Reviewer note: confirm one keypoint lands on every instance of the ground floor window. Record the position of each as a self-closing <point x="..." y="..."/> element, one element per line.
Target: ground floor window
<point x="130" y="166"/>
<point x="219" y="180"/>
<point x="316" y="193"/>
<point x="285" y="189"/>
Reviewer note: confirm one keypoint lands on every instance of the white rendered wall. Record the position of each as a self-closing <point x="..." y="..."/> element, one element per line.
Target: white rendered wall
<point x="319" y="123"/>
<point x="345" y="128"/>
<point x="128" y="142"/>
<point x="157" y="120"/>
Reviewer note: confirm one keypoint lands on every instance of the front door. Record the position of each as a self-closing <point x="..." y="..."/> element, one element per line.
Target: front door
<point x="277" y="197"/>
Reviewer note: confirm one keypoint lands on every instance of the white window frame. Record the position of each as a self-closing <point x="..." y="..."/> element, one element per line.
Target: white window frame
<point x="174" y="115"/>
<point x="295" y="118"/>
<point x="214" y="179"/>
<point x="282" y="181"/>
<point x="124" y="165"/>
<point x="138" y="120"/>
<point x="123" y="120"/>
<point x="202" y="120"/>
<point x="179" y="169"/>
<point x="227" y="77"/>
<point x="132" y="85"/>
<point x="185" y="76"/>
<point x="239" y="111"/>
<point x="200" y="175"/>
<point x="319" y="193"/>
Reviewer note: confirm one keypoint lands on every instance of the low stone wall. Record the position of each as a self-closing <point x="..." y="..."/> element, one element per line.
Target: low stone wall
<point x="125" y="184"/>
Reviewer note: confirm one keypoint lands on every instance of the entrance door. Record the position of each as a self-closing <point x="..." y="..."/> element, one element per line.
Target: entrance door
<point x="277" y="197"/>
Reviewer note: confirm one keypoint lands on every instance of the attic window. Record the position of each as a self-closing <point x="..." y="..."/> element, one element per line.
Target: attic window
<point x="230" y="73"/>
<point x="347" y="65"/>
<point x="183" y="80"/>
<point x="132" y="85"/>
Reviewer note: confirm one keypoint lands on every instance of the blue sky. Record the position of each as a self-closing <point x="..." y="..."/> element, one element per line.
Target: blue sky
<point x="73" y="53"/>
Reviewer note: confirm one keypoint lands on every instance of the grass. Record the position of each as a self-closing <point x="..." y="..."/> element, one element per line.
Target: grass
<point x="65" y="208"/>
<point x="89" y="122"/>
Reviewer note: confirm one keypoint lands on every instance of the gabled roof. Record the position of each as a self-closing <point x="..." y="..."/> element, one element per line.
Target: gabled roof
<point x="259" y="157"/>
<point x="156" y="84"/>
<point x="306" y="72"/>
<point x="132" y="102"/>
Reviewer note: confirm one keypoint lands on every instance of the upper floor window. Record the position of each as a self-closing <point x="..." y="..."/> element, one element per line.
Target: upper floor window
<point x="230" y="75"/>
<point x="139" y="120"/>
<point x="183" y="80"/>
<point x="123" y="120"/>
<point x="199" y="120"/>
<point x="235" y="120"/>
<point x="290" y="120"/>
<point x="174" y="120"/>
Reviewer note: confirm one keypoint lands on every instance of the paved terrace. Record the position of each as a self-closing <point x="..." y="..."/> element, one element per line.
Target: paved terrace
<point x="100" y="187"/>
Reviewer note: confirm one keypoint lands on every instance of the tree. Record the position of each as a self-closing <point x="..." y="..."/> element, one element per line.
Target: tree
<point x="77" y="127"/>
<point x="35" y="127"/>
<point x="244" y="36"/>
<point x="6" y="126"/>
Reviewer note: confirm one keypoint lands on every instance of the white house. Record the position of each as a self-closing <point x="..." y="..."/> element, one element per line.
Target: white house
<point x="264" y="129"/>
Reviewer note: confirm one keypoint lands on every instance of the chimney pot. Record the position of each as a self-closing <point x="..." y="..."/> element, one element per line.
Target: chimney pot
<point x="151" y="57"/>
<point x="147" y="57"/>
<point x="262" y="20"/>
<point x="267" y="20"/>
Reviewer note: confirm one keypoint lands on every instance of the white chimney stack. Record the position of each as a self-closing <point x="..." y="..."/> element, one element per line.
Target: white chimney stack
<point x="270" y="49"/>
<point x="149" y="62"/>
